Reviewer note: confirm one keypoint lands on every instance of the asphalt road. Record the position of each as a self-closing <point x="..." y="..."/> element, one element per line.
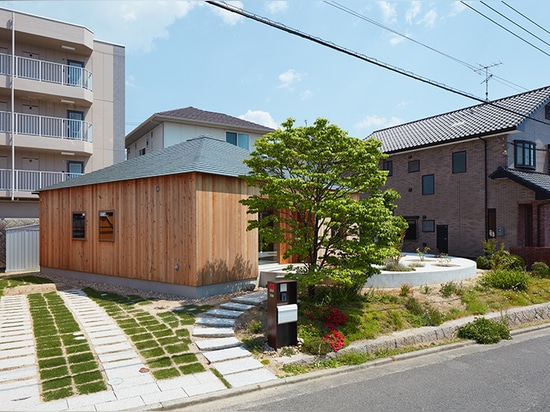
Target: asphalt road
<point x="508" y="376"/>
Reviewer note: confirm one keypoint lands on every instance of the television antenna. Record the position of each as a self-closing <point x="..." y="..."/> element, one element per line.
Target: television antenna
<point x="487" y="76"/>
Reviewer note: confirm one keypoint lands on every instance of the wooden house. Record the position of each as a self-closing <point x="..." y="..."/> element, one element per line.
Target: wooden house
<point x="169" y="221"/>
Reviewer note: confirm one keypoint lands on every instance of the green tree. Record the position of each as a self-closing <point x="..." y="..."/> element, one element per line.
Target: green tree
<point x="331" y="210"/>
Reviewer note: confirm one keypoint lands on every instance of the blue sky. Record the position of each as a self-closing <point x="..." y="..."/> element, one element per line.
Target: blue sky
<point x="189" y="53"/>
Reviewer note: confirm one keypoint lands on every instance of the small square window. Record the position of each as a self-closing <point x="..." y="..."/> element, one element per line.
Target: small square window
<point x="388" y="165"/>
<point x="414" y="166"/>
<point x="428" y="225"/>
<point x="79" y="225"/>
<point x="428" y="185"/>
<point x="107" y="226"/>
<point x="459" y="162"/>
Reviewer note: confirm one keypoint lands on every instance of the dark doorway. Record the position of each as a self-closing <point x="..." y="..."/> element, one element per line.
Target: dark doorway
<point x="492" y="223"/>
<point x="442" y="233"/>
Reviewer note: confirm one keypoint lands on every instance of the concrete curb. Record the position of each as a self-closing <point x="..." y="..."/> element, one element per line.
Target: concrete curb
<point x="425" y="335"/>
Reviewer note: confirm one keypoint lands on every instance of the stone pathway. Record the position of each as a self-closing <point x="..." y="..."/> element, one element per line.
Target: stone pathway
<point x="215" y="338"/>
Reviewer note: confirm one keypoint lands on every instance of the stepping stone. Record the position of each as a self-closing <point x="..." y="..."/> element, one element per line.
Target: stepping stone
<point x="238" y="365"/>
<point x="236" y="306"/>
<point x="217" y="344"/>
<point x="254" y="298"/>
<point x="252" y="377"/>
<point x="223" y="313"/>
<point x="226" y="354"/>
<point x="219" y="322"/>
<point x="213" y="332"/>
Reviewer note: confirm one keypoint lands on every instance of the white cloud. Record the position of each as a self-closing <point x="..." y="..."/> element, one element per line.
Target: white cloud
<point x="457" y="7"/>
<point x="429" y="18"/>
<point x="396" y="39"/>
<point x="377" y="122"/>
<point x="388" y="11"/>
<point x="276" y="6"/>
<point x="306" y="94"/>
<point x="227" y="16"/>
<point x="260" y="117"/>
<point x="413" y="11"/>
<point x="288" y="79"/>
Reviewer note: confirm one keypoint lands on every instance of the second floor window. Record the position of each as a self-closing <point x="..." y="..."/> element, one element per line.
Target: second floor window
<point x="388" y="165"/>
<point x="414" y="166"/>
<point x="428" y="185"/>
<point x="238" y="139"/>
<point x="524" y="153"/>
<point x="459" y="162"/>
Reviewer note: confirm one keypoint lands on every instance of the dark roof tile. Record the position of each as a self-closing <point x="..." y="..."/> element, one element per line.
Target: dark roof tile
<point x="486" y="118"/>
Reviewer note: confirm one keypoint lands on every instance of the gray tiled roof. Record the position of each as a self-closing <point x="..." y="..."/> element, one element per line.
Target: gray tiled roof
<point x="203" y="154"/>
<point x="191" y="113"/>
<point x="538" y="182"/>
<point x="501" y="115"/>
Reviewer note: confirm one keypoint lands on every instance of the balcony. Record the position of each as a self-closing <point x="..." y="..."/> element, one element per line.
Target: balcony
<point x="44" y="71"/>
<point x="45" y="126"/>
<point x="30" y="180"/>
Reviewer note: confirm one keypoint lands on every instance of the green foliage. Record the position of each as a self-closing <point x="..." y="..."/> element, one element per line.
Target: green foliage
<point x="447" y="289"/>
<point x="331" y="212"/>
<point x="425" y="314"/>
<point x="499" y="259"/>
<point x="483" y="262"/>
<point x="405" y="290"/>
<point x="484" y="331"/>
<point x="506" y="279"/>
<point x="540" y="270"/>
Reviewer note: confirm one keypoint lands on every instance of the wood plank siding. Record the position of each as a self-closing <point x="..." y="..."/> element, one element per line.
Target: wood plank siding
<point x="186" y="229"/>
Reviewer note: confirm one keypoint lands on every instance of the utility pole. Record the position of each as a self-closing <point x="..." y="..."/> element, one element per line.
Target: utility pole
<point x="487" y="77"/>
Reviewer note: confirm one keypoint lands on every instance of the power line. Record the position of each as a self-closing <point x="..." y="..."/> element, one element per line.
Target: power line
<point x="333" y="46"/>
<point x="514" y="23"/>
<point x="468" y="65"/>
<point x="527" y="18"/>
<point x="504" y="28"/>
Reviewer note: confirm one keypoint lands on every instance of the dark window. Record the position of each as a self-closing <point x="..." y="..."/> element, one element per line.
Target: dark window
<point x="524" y="154"/>
<point x="414" y="166"/>
<point x="107" y="225"/>
<point x="459" y="162"/>
<point x="410" y="233"/>
<point x="237" y="139"/>
<point x="428" y="186"/>
<point x="547" y="112"/>
<point x="79" y="225"/>
<point x="428" y="225"/>
<point x="74" y="169"/>
<point x="388" y="165"/>
<point x="142" y="152"/>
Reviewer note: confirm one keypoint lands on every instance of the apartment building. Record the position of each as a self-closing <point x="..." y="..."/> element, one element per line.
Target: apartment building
<point x="61" y="107"/>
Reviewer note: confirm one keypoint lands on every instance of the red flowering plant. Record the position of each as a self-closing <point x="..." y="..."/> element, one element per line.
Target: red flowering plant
<point x="327" y="319"/>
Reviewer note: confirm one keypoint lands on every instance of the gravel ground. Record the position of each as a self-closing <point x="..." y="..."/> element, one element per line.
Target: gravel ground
<point x="161" y="301"/>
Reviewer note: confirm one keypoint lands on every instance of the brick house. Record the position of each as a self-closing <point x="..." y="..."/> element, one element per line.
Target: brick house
<point x="474" y="174"/>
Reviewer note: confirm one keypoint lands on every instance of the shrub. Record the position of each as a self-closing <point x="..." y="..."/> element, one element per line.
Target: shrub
<point x="506" y="279"/>
<point x="447" y="289"/>
<point x="483" y="262"/>
<point x="484" y="331"/>
<point x="540" y="270"/>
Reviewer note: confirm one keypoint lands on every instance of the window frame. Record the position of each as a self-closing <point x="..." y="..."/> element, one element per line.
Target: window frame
<point x="425" y="187"/>
<point x="387" y="165"/>
<point x="521" y="148"/>
<point x="428" y="225"/>
<point x="241" y="140"/>
<point x="74" y="229"/>
<point x="103" y="216"/>
<point x="413" y="166"/>
<point x="458" y="162"/>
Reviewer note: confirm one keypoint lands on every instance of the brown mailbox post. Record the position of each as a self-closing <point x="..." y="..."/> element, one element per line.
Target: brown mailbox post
<point x="282" y="313"/>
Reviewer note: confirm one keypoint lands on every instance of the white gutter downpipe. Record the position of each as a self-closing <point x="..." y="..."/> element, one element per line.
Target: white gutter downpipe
<point x="12" y="105"/>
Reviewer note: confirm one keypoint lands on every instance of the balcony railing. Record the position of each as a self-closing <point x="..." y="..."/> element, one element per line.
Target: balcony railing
<point x="45" y="126"/>
<point x="44" y="71"/>
<point x="31" y="180"/>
